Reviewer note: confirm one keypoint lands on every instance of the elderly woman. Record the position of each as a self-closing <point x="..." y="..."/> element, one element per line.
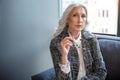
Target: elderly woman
<point x="75" y="52"/>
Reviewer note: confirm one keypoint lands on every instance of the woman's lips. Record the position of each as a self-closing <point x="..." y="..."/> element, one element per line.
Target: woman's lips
<point x="79" y="25"/>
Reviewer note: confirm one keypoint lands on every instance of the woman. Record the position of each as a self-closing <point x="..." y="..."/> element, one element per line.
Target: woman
<point x="75" y="52"/>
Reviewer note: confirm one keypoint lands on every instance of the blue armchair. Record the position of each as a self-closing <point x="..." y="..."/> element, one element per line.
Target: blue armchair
<point x="110" y="48"/>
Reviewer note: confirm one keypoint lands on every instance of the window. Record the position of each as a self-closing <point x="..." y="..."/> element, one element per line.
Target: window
<point x="102" y="14"/>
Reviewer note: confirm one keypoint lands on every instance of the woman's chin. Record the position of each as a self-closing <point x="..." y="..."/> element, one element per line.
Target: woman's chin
<point x="78" y="29"/>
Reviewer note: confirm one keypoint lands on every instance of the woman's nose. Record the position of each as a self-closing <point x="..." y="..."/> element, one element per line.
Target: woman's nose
<point x="80" y="19"/>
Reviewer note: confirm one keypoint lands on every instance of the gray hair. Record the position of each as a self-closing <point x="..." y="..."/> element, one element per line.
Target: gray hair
<point x="62" y="21"/>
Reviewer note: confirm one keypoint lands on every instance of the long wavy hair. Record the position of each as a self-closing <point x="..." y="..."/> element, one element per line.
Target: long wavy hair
<point x="63" y="19"/>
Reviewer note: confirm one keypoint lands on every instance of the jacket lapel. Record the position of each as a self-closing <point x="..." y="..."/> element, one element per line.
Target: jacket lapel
<point x="86" y="36"/>
<point x="86" y="52"/>
<point x="74" y="61"/>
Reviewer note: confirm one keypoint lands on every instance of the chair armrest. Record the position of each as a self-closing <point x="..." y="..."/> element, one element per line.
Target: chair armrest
<point x="45" y="75"/>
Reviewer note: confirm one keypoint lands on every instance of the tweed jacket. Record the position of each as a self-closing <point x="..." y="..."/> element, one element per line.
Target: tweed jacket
<point x="94" y="63"/>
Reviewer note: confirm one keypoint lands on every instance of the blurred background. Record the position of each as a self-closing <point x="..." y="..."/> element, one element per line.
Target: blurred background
<point x="26" y="28"/>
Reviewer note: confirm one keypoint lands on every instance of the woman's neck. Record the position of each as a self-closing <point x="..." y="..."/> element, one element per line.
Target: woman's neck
<point x="74" y="34"/>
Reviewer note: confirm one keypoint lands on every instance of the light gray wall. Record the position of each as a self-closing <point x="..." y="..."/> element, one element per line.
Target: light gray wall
<point x="0" y="13"/>
<point x="0" y="21"/>
<point x="27" y="27"/>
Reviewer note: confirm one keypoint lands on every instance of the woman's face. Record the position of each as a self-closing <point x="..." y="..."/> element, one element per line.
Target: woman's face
<point x="77" y="19"/>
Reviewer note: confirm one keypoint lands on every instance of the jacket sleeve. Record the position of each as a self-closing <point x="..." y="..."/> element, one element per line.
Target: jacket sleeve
<point x="56" y="57"/>
<point x="99" y="71"/>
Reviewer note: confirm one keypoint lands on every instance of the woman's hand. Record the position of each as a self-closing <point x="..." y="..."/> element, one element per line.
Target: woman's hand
<point x="65" y="45"/>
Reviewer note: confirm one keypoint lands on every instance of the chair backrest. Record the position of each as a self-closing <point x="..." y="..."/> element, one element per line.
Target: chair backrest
<point x="110" y="48"/>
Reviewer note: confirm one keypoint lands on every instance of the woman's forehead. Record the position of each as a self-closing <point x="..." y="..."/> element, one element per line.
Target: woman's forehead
<point x="78" y="9"/>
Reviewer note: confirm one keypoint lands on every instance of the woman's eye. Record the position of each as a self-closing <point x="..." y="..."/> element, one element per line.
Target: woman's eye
<point x="83" y="16"/>
<point x="74" y="15"/>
